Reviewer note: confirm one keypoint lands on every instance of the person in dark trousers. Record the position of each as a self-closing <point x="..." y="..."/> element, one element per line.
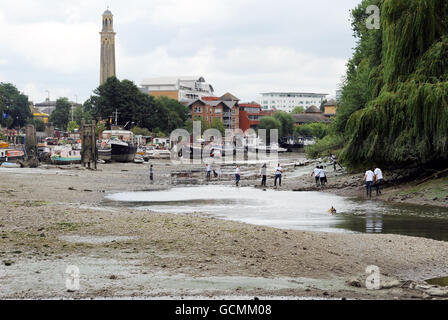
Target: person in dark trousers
<point x="209" y="170"/>
<point x="278" y="175"/>
<point x="237" y="176"/>
<point x="316" y="173"/>
<point x="368" y="178"/>
<point x="378" y="180"/>
<point x="322" y="176"/>
<point x="263" y="175"/>
<point x="151" y="174"/>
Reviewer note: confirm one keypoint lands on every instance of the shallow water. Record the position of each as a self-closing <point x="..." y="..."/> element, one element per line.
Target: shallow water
<point x="292" y="210"/>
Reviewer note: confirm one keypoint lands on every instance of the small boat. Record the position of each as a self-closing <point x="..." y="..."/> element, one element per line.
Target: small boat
<point x="72" y="157"/>
<point x="104" y="150"/>
<point x="123" y="145"/>
<point x="10" y="165"/>
<point x="11" y="155"/>
<point x="161" y="154"/>
<point x="63" y="156"/>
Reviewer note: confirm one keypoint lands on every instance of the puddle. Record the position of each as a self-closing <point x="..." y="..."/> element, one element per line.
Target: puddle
<point x="443" y="282"/>
<point x="291" y="210"/>
<point x="95" y="240"/>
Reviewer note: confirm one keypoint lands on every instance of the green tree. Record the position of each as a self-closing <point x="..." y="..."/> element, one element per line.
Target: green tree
<point x="80" y="114"/>
<point x="38" y="124"/>
<point x="219" y="125"/>
<point x="100" y="127"/>
<point x="287" y="121"/>
<point x="270" y="123"/>
<point x="316" y="130"/>
<point x="15" y="105"/>
<point x="298" y="110"/>
<point x="394" y="101"/>
<point x="72" y="125"/>
<point x="140" y="131"/>
<point x="60" y="117"/>
<point x="134" y="107"/>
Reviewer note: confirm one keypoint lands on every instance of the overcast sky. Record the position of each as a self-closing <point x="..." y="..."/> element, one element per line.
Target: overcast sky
<point x="240" y="46"/>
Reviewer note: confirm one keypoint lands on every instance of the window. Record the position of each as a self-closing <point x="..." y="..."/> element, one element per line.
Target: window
<point x="198" y="109"/>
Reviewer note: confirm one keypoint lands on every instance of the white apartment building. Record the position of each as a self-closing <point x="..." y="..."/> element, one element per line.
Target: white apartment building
<point x="287" y="101"/>
<point x="178" y="88"/>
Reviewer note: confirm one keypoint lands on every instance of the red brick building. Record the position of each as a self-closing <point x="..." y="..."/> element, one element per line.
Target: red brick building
<point x="225" y="108"/>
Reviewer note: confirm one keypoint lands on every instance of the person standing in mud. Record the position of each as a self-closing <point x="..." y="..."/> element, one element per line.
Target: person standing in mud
<point x="151" y="174"/>
<point x="278" y="175"/>
<point x="209" y="170"/>
<point x="263" y="173"/>
<point x="237" y="176"/>
<point x="368" y="178"/>
<point x="334" y="160"/>
<point x="322" y="176"/>
<point x="378" y="180"/>
<point x="316" y="173"/>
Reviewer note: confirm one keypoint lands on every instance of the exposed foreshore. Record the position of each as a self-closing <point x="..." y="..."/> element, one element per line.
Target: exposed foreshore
<point x="52" y="218"/>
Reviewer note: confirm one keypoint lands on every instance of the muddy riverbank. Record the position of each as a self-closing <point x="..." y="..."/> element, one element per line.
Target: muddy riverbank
<point x="53" y="218"/>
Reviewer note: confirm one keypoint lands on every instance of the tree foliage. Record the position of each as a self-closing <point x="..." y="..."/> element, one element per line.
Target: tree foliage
<point x="60" y="117"/>
<point x="394" y="105"/>
<point x="287" y="123"/>
<point x="134" y="107"/>
<point x="15" y="105"/>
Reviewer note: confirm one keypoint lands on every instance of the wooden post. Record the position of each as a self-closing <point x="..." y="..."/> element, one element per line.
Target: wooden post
<point x="88" y="150"/>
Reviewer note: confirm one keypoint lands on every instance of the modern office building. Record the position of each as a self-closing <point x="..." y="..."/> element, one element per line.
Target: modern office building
<point x="177" y="88"/>
<point x="287" y="101"/>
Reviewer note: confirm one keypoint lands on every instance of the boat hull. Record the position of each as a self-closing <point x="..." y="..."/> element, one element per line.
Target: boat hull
<point x="105" y="155"/>
<point x="121" y="153"/>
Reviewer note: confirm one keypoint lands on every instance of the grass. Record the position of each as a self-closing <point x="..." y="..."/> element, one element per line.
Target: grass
<point x="437" y="188"/>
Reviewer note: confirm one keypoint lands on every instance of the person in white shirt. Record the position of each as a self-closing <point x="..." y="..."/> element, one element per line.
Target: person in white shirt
<point x="316" y="173"/>
<point x="368" y="178"/>
<point x="237" y="176"/>
<point x="263" y="173"/>
<point x="322" y="176"/>
<point x="378" y="180"/>
<point x="278" y="175"/>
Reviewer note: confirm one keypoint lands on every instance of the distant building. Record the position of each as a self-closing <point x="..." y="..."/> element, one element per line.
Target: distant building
<point x="178" y="88"/>
<point x="330" y="108"/>
<point x="225" y="108"/>
<point x="48" y="106"/>
<point x="287" y="101"/>
<point x="250" y="115"/>
<point x="311" y="115"/>
<point x="107" y="64"/>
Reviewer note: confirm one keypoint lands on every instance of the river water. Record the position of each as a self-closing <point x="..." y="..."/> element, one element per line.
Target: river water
<point x="292" y="210"/>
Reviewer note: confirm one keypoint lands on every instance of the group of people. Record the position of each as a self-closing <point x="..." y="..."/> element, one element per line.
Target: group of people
<point x="263" y="173"/>
<point x="373" y="179"/>
<point x="320" y="176"/>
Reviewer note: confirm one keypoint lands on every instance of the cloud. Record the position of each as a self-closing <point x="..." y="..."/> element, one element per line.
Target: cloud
<point x="241" y="46"/>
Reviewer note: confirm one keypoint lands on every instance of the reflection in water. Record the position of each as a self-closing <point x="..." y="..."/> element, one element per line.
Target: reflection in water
<point x="292" y="210"/>
<point x="374" y="223"/>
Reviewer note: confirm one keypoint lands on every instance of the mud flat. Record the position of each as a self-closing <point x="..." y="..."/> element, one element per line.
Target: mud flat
<point x="51" y="220"/>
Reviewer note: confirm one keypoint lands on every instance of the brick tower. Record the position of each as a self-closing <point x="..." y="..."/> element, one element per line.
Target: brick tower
<point x="107" y="67"/>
